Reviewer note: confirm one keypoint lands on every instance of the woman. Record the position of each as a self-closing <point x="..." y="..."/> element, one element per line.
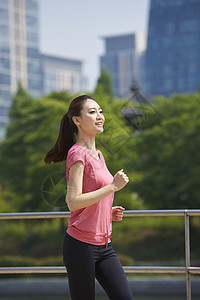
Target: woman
<point x="87" y="249"/>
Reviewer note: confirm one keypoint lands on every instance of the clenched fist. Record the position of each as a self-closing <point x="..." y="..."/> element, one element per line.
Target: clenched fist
<point x="117" y="213"/>
<point x="120" y="180"/>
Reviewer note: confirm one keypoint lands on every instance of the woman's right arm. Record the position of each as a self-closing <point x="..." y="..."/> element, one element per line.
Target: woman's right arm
<point x="75" y="199"/>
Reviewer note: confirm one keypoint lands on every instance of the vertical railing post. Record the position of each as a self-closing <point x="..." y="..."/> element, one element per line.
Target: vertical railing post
<point x="187" y="255"/>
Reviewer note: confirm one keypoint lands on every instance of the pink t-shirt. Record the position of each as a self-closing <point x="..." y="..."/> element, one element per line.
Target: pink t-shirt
<point x="92" y="224"/>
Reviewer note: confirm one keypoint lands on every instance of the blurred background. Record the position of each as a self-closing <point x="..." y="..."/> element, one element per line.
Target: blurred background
<point x="140" y="60"/>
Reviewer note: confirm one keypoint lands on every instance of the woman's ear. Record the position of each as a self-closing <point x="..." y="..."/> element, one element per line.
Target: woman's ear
<point x="76" y="120"/>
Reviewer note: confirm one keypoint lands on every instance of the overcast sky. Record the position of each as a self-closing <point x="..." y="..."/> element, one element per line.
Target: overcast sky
<point x="74" y="28"/>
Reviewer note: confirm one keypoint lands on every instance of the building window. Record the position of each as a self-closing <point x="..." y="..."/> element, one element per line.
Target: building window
<point x="4" y="31"/>
<point x="5" y="95"/>
<point x="32" y="37"/>
<point x="4" y="111"/>
<point x="172" y="3"/>
<point x="192" y="68"/>
<point x="4" y="79"/>
<point x="168" y="42"/>
<point x="170" y="28"/>
<point x="31" y="5"/>
<point x="191" y="83"/>
<point x="168" y="84"/>
<point x="166" y="70"/>
<point x="34" y="84"/>
<point x="189" y="25"/>
<point x="4" y="2"/>
<point x="4" y="63"/>
<point x="189" y="40"/>
<point x="4" y="48"/>
<point x="180" y="83"/>
<point x="193" y="53"/>
<point x="155" y="44"/>
<point x="34" y="68"/>
<point x="31" y="21"/>
<point x="32" y="52"/>
<point x="3" y="14"/>
<point x="50" y="75"/>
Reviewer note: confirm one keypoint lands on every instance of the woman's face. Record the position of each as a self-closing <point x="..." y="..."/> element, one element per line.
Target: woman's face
<point x="92" y="119"/>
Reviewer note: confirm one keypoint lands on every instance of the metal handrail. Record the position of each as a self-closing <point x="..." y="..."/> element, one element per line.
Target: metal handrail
<point x="127" y="269"/>
<point x="127" y="213"/>
<point x="34" y="215"/>
<point x="186" y="213"/>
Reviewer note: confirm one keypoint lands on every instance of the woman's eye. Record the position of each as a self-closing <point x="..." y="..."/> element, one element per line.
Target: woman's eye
<point x="92" y="111"/>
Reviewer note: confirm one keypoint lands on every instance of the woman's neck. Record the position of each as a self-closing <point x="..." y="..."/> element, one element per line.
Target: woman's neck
<point x="87" y="143"/>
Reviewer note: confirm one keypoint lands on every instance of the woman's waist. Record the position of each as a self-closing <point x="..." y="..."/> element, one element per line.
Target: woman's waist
<point x="97" y="238"/>
<point x="99" y="228"/>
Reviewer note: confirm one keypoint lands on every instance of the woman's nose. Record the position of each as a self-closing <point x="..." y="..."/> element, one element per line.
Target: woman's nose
<point x="99" y="116"/>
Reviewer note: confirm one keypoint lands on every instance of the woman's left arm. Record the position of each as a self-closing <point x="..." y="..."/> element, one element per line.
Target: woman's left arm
<point x="117" y="213"/>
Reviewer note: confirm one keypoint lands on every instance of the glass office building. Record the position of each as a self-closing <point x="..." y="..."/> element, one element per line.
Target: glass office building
<point x="172" y="57"/>
<point x="60" y="73"/>
<point x="19" y="52"/>
<point x="119" y="61"/>
<point x="122" y="60"/>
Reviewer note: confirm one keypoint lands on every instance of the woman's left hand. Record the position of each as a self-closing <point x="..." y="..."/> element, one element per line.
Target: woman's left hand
<point x="117" y="213"/>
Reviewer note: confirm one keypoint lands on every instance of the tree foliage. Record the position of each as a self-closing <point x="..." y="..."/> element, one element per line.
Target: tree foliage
<point x="168" y="160"/>
<point x="32" y="131"/>
<point x="104" y="84"/>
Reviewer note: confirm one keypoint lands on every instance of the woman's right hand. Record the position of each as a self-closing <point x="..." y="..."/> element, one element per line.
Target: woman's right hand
<point x="120" y="180"/>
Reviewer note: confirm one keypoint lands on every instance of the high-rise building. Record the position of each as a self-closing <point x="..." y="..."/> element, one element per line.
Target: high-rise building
<point x="172" y="57"/>
<point x="122" y="60"/>
<point x="19" y="52"/>
<point x="60" y="73"/>
<point x="22" y="62"/>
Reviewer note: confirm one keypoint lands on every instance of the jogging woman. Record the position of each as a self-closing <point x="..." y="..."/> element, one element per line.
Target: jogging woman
<point x="87" y="249"/>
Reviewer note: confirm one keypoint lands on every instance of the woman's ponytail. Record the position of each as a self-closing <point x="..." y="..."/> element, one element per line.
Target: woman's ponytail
<point x="65" y="141"/>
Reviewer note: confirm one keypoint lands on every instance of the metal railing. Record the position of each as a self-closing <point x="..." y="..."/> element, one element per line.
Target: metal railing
<point x="187" y="270"/>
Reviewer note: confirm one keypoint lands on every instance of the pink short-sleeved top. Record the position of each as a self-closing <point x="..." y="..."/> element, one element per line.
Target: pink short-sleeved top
<point x="92" y="224"/>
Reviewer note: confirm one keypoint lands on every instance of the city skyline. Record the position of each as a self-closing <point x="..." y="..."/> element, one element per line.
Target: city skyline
<point x="125" y="17"/>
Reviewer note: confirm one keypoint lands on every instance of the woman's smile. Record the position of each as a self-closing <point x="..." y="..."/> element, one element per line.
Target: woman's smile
<point x="99" y="124"/>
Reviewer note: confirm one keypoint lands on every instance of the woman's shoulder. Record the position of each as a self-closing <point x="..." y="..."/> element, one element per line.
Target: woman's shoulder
<point x="76" y="149"/>
<point x="75" y="154"/>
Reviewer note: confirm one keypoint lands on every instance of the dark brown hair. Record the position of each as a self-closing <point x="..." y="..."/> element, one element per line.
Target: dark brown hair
<point x="67" y="134"/>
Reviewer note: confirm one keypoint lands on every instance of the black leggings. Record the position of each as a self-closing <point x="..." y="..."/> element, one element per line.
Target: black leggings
<point x="85" y="261"/>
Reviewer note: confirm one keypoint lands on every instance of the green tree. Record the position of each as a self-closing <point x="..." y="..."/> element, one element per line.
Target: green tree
<point x="31" y="133"/>
<point x="58" y="95"/>
<point x="167" y="160"/>
<point x="104" y="84"/>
